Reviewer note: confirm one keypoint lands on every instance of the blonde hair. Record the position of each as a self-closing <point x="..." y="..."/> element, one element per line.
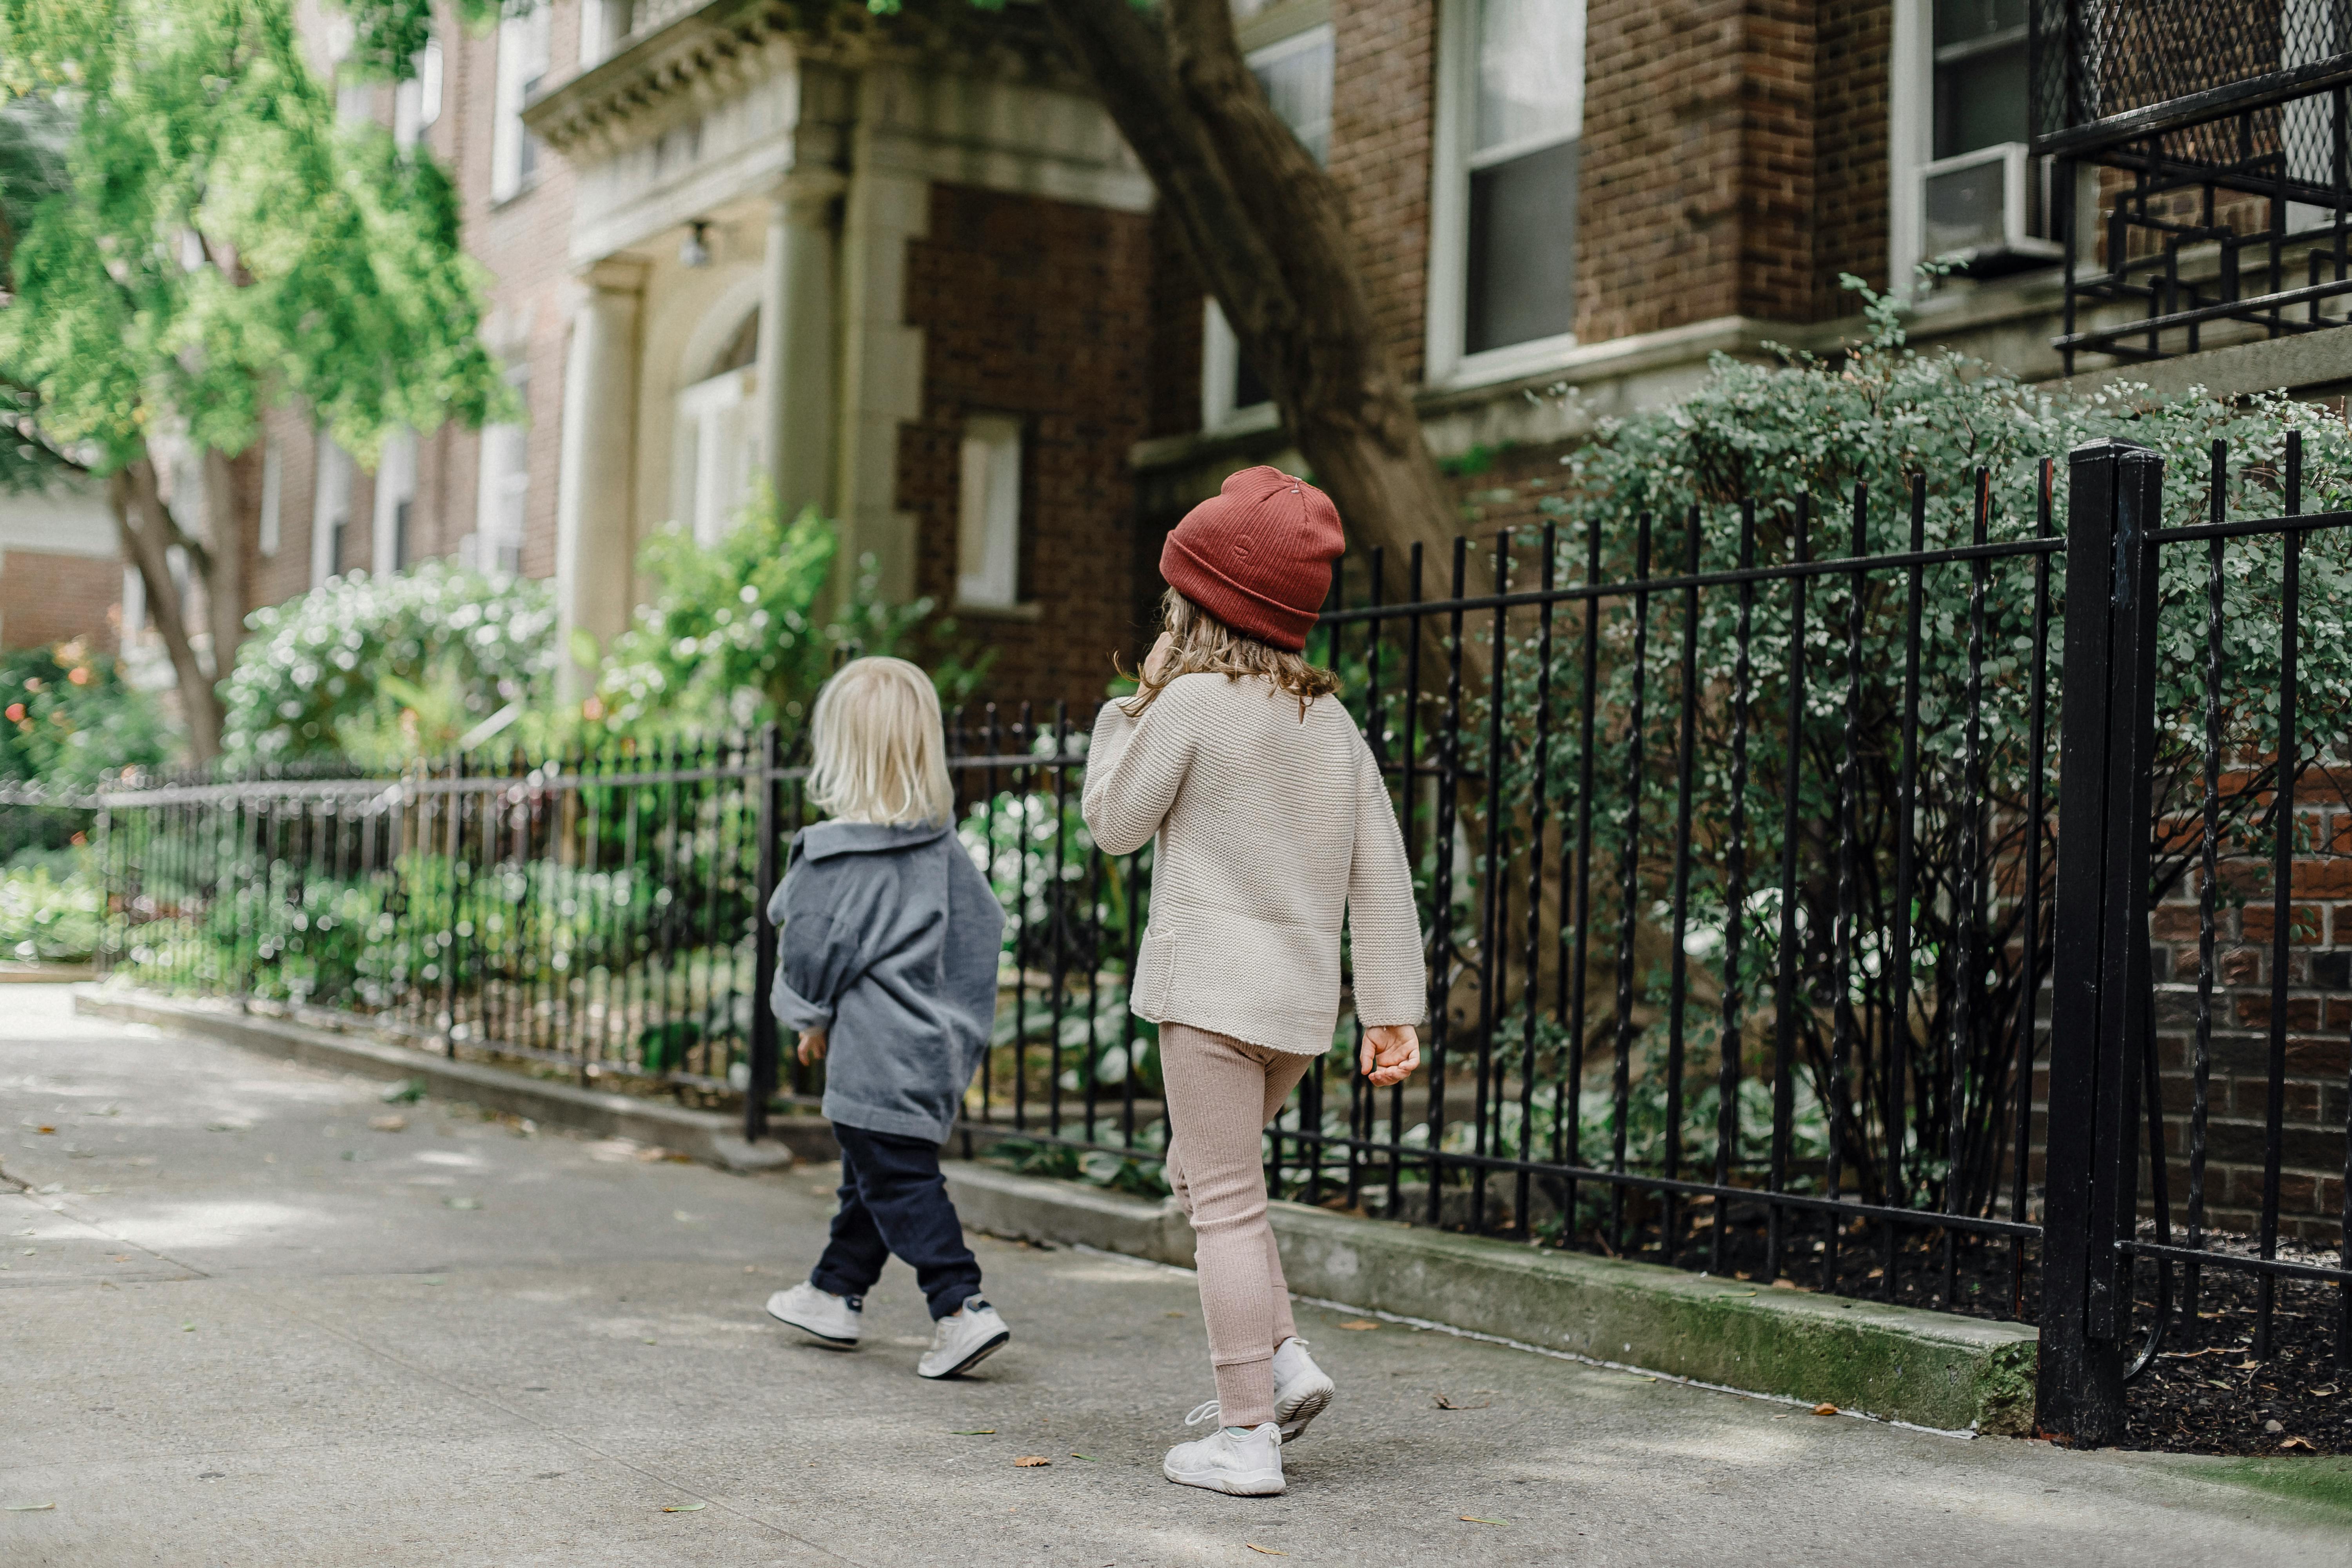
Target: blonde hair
<point x="1201" y="644"/>
<point x="881" y="753"/>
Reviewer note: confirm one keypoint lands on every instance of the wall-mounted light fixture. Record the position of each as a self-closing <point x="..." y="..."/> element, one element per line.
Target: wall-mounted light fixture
<point x="696" y="251"/>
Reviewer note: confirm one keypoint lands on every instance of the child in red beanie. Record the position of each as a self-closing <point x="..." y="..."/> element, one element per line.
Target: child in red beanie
<point x="1272" y="822"/>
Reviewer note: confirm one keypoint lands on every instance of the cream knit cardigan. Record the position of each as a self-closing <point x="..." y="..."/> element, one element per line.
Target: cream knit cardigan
<point x="1270" y="825"/>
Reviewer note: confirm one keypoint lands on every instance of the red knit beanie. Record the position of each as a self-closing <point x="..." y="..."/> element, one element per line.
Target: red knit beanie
<point x="1257" y="556"/>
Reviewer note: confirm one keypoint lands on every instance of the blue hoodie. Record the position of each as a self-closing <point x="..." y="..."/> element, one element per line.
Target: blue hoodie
<point x="889" y="939"/>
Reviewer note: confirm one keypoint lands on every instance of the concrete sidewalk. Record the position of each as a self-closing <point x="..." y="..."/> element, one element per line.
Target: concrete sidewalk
<point x="244" y="1326"/>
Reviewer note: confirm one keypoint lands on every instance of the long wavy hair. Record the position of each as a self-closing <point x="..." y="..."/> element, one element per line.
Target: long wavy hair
<point x="1203" y="645"/>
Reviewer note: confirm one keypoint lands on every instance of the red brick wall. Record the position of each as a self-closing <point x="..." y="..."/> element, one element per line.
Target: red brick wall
<point x="1033" y="308"/>
<point x="1854" y="41"/>
<point x="1699" y="179"/>
<point x="1383" y="116"/>
<point x="2318" y="1033"/>
<point x="47" y="598"/>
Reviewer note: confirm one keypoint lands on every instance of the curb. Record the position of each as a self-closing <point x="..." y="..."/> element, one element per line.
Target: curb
<point x="704" y="1135"/>
<point x="1897" y="1363"/>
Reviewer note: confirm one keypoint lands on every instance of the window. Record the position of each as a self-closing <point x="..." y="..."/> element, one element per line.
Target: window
<point x="718" y="440"/>
<point x="496" y="544"/>
<point x="1981" y="89"/>
<point x="1503" y="273"/>
<point x="395" y="503"/>
<point x="1296" y="72"/>
<point x="330" y="515"/>
<point x="522" y="62"/>
<point x="988" y="525"/>
<point x="273" y="495"/>
<point x="1966" y="186"/>
<point x="417" y="103"/>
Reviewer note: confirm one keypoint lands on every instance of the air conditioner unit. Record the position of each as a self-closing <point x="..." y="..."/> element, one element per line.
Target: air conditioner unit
<point x="1976" y="208"/>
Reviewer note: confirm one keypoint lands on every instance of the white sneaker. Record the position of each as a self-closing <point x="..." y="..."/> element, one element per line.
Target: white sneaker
<point x="962" y="1340"/>
<point x="823" y="1316"/>
<point x="1243" y="1462"/>
<point x="1302" y="1391"/>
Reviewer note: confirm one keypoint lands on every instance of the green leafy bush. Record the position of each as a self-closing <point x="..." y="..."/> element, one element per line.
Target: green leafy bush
<point x="45" y="917"/>
<point x="385" y="669"/>
<point x="738" y="635"/>
<point x="1802" y="434"/>
<point x="70" y="719"/>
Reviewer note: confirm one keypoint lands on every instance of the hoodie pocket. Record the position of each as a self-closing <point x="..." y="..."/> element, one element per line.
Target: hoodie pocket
<point x="1155" y="976"/>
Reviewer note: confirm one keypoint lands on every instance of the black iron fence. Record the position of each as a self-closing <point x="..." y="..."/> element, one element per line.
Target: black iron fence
<point x="2200" y="177"/>
<point x="1781" y="922"/>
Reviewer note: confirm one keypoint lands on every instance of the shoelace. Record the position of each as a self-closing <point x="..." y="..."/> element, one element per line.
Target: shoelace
<point x="1208" y="1410"/>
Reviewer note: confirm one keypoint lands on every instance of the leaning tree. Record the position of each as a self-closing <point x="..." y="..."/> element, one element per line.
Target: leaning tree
<point x="190" y="237"/>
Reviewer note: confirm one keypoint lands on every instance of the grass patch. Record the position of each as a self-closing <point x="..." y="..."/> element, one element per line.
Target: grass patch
<point x="2323" y="1483"/>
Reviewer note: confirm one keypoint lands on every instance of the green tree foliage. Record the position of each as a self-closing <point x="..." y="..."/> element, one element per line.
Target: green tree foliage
<point x="194" y="238"/>
<point x="384" y="671"/>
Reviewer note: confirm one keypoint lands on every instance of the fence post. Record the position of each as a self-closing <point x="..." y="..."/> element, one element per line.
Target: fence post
<point x="763" y="942"/>
<point x="2101" y="983"/>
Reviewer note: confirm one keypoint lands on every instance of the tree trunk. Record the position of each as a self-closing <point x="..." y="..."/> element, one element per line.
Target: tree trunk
<point x="224" y="564"/>
<point x="1268" y="229"/>
<point x="147" y="533"/>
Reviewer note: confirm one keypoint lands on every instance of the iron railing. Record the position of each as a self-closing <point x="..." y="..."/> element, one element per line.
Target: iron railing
<point x="1742" y="859"/>
<point x="2201" y="178"/>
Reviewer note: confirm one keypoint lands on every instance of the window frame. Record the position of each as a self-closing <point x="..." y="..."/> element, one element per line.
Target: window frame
<point x="997" y="431"/>
<point x="330" y="509"/>
<point x="1447" y="361"/>
<point x="513" y="154"/>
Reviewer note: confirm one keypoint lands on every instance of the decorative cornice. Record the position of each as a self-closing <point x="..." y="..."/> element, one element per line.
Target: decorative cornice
<point x="711" y="52"/>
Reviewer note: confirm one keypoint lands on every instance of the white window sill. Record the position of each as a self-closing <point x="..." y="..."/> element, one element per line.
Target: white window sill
<point x="1247" y="421"/>
<point x="1515" y="362"/>
<point x="1027" y="610"/>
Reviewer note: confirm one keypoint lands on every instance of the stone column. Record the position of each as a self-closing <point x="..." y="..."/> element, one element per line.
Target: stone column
<point x="796" y="343"/>
<point x="595" y="547"/>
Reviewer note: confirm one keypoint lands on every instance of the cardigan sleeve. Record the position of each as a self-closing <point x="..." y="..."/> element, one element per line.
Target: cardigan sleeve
<point x="1392" y="982"/>
<point x="1134" y="767"/>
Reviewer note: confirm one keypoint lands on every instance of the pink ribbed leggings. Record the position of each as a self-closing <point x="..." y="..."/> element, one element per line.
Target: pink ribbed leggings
<point x="1222" y="1093"/>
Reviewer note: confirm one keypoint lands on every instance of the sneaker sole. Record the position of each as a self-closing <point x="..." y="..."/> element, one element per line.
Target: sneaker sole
<point x="973" y="1360"/>
<point x="829" y="1340"/>
<point x="1245" y="1483"/>
<point x="1310" y="1405"/>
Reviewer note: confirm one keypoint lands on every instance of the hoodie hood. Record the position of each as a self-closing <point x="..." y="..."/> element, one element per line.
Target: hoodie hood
<point x="827" y="839"/>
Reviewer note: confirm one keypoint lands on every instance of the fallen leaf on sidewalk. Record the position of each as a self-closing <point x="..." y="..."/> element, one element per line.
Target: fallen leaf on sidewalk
<point x="1030" y="1461"/>
<point x="29" y="1506"/>
<point x="1825" y="1409"/>
<point x="1089" y="1458"/>
<point x="1445" y="1404"/>
<point x="683" y="1507"/>
<point x="407" y="1091"/>
<point x="973" y="1432"/>
<point x="2297" y="1444"/>
<point x="389" y="1123"/>
<point x="1357" y="1325"/>
<point x="45" y="1130"/>
<point x="1265" y="1551"/>
<point x="1473" y="1519"/>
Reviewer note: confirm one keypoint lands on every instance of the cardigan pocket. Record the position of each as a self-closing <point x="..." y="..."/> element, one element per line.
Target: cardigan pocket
<point x="1155" y="976"/>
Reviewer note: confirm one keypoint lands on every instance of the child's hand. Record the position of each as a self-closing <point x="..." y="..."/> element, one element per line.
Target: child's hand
<point x="1391" y="1052"/>
<point x="1158" y="657"/>
<point x="811" y="1045"/>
